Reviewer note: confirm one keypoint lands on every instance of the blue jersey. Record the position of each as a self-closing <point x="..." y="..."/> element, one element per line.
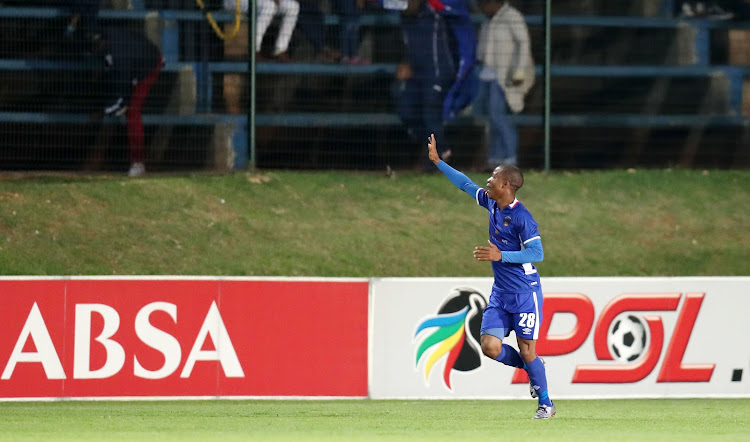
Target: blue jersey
<point x="510" y="228"/>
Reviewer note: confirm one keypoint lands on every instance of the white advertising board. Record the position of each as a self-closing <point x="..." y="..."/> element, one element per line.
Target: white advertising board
<point x="600" y="338"/>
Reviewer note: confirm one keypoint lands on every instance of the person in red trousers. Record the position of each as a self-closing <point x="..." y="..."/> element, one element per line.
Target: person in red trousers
<point x="131" y="66"/>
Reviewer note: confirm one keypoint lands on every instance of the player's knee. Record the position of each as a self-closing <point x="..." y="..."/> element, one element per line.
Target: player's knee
<point x="492" y="349"/>
<point x="527" y="354"/>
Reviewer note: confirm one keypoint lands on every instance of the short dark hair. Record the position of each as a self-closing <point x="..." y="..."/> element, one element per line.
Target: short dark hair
<point x="513" y="174"/>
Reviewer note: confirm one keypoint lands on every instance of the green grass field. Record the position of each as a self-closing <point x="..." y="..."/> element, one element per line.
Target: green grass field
<point x="600" y="223"/>
<point x="346" y="420"/>
<point x="611" y="223"/>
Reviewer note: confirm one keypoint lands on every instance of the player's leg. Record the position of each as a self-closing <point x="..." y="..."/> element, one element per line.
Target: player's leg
<point x="535" y="368"/>
<point x="493" y="348"/>
<point x="527" y="323"/>
<point x="496" y="325"/>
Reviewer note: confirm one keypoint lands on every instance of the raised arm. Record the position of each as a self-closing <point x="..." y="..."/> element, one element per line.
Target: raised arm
<point x="457" y="178"/>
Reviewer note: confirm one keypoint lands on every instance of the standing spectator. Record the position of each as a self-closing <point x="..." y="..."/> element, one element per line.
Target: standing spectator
<point x="235" y="49"/>
<point x="429" y="73"/>
<point x="131" y="65"/>
<point x="506" y="76"/>
<point x="311" y="23"/>
<point x="464" y="43"/>
<point x="267" y="9"/>
<point x="348" y="11"/>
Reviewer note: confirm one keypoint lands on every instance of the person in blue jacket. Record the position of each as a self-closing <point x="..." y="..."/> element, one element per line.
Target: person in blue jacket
<point x="427" y="75"/>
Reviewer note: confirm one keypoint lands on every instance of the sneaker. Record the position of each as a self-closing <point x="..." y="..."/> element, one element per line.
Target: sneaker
<point x="716" y="12"/>
<point x="137" y="169"/>
<point x="533" y="392"/>
<point x="545" y="412"/>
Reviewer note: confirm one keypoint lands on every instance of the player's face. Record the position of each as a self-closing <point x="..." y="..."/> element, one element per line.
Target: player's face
<point x="495" y="184"/>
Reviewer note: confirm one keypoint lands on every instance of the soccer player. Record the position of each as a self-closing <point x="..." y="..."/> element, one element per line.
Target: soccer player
<point x="516" y="299"/>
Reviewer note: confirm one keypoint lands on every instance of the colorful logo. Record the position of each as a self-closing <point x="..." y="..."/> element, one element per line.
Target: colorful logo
<point x="456" y="329"/>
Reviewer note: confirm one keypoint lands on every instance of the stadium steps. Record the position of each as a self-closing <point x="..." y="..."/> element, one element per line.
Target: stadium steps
<point x="578" y="88"/>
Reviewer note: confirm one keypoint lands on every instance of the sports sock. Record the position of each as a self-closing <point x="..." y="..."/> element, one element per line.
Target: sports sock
<point x="509" y="356"/>
<point x="538" y="378"/>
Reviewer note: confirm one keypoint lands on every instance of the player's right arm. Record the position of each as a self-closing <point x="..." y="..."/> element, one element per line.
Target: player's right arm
<point x="457" y="178"/>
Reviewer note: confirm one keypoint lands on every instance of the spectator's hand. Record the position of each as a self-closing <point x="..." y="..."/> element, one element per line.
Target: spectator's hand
<point x="491" y="253"/>
<point x="121" y="111"/>
<point x="432" y="150"/>
<point x="518" y="77"/>
<point x="403" y="71"/>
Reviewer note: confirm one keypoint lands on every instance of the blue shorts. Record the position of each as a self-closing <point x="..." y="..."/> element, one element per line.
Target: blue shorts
<point x="520" y="312"/>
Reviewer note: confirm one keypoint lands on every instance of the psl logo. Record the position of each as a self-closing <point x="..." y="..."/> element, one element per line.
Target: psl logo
<point x="456" y="328"/>
<point x="626" y="337"/>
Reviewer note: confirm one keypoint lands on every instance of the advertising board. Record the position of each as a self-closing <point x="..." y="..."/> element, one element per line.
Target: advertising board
<point x="96" y="337"/>
<point x="600" y="337"/>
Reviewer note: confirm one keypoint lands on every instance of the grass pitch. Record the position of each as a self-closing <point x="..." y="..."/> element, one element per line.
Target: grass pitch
<point x="362" y="420"/>
<point x="290" y="223"/>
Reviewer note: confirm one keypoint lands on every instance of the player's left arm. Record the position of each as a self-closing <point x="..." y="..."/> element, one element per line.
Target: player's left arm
<point x="534" y="252"/>
<point x="531" y="248"/>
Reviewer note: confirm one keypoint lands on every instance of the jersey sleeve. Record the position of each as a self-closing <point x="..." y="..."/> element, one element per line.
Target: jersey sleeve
<point x="534" y="252"/>
<point x="527" y="227"/>
<point x="464" y="183"/>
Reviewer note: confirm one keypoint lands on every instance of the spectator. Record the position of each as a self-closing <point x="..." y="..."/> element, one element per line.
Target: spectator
<point x="236" y="49"/>
<point x="461" y="31"/>
<point x="311" y="23"/>
<point x="426" y="76"/>
<point x="131" y="65"/>
<point x="506" y="76"/>
<point x="348" y="11"/>
<point x="267" y="9"/>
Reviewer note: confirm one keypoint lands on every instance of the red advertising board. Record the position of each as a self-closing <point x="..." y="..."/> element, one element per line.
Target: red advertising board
<point x="183" y="337"/>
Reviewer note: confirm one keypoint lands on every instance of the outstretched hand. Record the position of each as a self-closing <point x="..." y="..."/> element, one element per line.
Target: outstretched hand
<point x="432" y="150"/>
<point x="491" y="253"/>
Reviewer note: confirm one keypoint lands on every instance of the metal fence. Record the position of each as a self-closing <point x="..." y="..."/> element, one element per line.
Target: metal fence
<point x="178" y="85"/>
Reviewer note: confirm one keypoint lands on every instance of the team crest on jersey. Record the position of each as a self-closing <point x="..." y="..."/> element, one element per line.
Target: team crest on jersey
<point x="506" y="221"/>
<point x="452" y="334"/>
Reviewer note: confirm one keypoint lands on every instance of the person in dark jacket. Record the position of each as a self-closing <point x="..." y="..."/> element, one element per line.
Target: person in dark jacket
<point x="427" y="76"/>
<point x="131" y="65"/>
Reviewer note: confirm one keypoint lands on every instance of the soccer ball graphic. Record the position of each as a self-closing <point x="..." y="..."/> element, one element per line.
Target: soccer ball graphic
<point x="627" y="338"/>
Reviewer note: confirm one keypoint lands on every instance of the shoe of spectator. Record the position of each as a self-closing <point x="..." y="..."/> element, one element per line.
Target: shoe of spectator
<point x="716" y="12"/>
<point x="260" y="57"/>
<point x="137" y="169"/>
<point x="693" y="9"/>
<point x="282" y="57"/>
